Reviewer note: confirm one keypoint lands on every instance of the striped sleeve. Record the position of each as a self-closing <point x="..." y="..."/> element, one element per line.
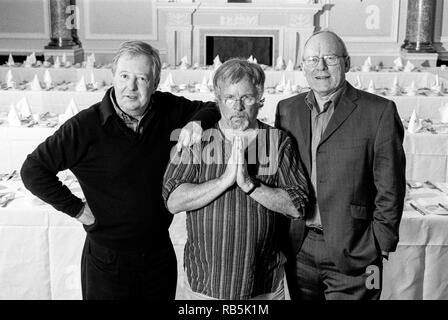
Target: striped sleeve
<point x="182" y="168"/>
<point x="290" y="176"/>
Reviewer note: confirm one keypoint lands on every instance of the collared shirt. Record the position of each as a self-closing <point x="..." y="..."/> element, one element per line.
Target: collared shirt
<point x="320" y="116"/>
<point x="233" y="249"/>
<point x="133" y="123"/>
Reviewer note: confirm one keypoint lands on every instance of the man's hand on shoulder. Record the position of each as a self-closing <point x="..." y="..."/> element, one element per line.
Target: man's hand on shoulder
<point x="190" y="134"/>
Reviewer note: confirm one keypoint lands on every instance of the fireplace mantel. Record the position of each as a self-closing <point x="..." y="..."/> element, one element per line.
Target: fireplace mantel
<point x="187" y="25"/>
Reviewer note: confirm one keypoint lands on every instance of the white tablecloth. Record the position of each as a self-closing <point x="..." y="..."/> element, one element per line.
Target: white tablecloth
<point x="57" y="102"/>
<point x="426" y="153"/>
<point x="40" y="252"/>
<point x="381" y="79"/>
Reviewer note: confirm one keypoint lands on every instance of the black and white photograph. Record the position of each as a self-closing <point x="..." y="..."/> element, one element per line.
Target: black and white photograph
<point x="248" y="151"/>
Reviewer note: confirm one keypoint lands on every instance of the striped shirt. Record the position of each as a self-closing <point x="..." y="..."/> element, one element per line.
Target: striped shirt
<point x="233" y="249"/>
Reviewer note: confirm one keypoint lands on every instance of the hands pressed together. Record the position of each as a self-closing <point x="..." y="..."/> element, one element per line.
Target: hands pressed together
<point x="236" y="170"/>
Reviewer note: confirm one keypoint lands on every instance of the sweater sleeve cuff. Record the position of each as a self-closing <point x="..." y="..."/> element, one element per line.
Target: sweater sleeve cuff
<point x="76" y="209"/>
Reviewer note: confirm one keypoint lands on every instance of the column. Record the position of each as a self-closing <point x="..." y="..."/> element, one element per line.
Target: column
<point x="63" y="34"/>
<point x="420" y="26"/>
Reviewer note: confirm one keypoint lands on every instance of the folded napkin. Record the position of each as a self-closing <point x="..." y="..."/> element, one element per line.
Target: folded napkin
<point x="288" y="88"/>
<point x="93" y="82"/>
<point x="35" y="84"/>
<point x="70" y="111"/>
<point x="31" y="59"/>
<point x="412" y="90"/>
<point x="280" y="63"/>
<point x="10" y="62"/>
<point x="27" y="63"/>
<point x="371" y="88"/>
<point x="10" y="83"/>
<point x="166" y="86"/>
<point x="216" y="62"/>
<point x="395" y="90"/>
<point x="367" y="66"/>
<point x="90" y="62"/>
<point x="415" y="123"/>
<point x="210" y="81"/>
<point x="437" y="87"/>
<point x="398" y="64"/>
<point x="281" y="85"/>
<point x="24" y="108"/>
<point x="184" y="63"/>
<point x="81" y="85"/>
<point x="290" y="66"/>
<point x="47" y="79"/>
<point x="57" y="62"/>
<point x="13" y="116"/>
<point x="203" y="88"/>
<point x="72" y="108"/>
<point x="64" y="58"/>
<point x="408" y="67"/>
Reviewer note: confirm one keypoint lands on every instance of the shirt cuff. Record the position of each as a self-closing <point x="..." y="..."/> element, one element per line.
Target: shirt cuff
<point x="298" y="199"/>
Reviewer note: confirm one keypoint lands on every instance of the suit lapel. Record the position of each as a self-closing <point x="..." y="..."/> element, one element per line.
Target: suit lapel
<point x="342" y="111"/>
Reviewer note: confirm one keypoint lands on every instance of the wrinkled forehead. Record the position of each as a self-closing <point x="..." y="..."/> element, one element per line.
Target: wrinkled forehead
<point x="323" y="44"/>
<point x="237" y="85"/>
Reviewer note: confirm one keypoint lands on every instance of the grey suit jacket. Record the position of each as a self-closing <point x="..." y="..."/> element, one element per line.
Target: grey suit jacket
<point x="360" y="175"/>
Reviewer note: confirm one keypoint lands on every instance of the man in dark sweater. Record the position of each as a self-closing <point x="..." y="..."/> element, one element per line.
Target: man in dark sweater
<point x="118" y="150"/>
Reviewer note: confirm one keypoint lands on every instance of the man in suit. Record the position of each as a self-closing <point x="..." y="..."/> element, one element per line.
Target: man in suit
<point x="350" y="143"/>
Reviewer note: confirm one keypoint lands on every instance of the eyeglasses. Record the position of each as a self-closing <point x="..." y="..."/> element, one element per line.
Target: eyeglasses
<point x="330" y="60"/>
<point x="246" y="100"/>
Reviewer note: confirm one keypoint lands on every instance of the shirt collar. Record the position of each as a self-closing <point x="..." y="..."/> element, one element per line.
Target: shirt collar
<point x="123" y="115"/>
<point x="108" y="107"/>
<point x="335" y="97"/>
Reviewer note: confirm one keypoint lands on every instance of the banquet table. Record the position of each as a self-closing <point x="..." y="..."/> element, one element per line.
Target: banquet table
<point x="426" y="153"/>
<point x="383" y="78"/>
<point x="57" y="101"/>
<point x="41" y="248"/>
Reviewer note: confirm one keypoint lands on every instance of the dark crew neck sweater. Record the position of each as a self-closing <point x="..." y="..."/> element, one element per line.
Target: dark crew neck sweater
<point x="120" y="171"/>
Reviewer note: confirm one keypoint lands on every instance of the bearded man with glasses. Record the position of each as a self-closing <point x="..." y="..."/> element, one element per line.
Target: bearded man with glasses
<point x="350" y="142"/>
<point x="240" y="187"/>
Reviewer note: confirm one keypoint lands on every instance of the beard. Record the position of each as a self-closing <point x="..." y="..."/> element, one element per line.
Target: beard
<point x="239" y="123"/>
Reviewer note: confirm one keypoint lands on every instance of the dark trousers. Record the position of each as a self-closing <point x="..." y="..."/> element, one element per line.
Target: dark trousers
<point x="313" y="276"/>
<point x="111" y="275"/>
